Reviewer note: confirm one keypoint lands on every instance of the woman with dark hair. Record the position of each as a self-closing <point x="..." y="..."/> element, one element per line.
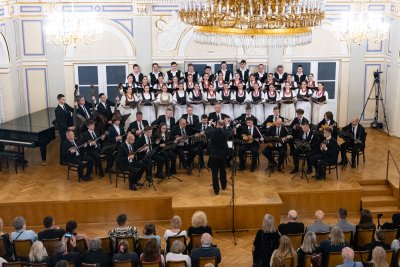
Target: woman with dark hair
<point x="149" y="231"/>
<point x="195" y="99"/>
<point x="124" y="254"/>
<point x="168" y="154"/>
<point x="366" y="221"/>
<point x="71" y="227"/>
<point x="152" y="253"/>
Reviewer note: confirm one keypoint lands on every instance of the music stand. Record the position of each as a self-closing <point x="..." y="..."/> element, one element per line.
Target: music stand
<point x="149" y="181"/>
<point x="170" y="177"/>
<point x="302" y="155"/>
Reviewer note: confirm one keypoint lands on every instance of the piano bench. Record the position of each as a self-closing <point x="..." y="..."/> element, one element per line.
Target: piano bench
<point x="15" y="156"/>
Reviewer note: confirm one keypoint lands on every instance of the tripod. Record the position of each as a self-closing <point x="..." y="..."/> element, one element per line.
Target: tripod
<point x="376" y="87"/>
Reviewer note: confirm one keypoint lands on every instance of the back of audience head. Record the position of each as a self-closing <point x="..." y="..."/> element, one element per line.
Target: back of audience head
<point x="206" y="239"/>
<point x="347" y="254"/>
<point x="95" y="244"/>
<point x="278" y="262"/>
<point x="379" y="257"/>
<point x="342" y="214"/>
<point x="19" y="223"/>
<point x="71" y="226"/>
<point x="62" y="263"/>
<point x="285" y="250"/>
<point x="123" y="246"/>
<point x="268" y="225"/>
<point x="38" y="252"/>
<point x="177" y="247"/>
<point x="292" y="215"/>
<point x="366" y="217"/>
<point x="121" y="219"/>
<point x="309" y="242"/>
<point x="199" y="219"/>
<point x="319" y="215"/>
<point x="149" y="229"/>
<point x="60" y="248"/>
<point x="336" y="236"/>
<point x="151" y="250"/>
<point x="176" y="222"/>
<point x="48" y="222"/>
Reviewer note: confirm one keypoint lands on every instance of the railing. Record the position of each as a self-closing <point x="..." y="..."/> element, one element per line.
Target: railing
<point x="390" y="156"/>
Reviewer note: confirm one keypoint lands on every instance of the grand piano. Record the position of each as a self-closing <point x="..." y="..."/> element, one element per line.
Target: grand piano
<point x="33" y="130"/>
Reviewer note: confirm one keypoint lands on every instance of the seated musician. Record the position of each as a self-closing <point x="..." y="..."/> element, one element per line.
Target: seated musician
<point x="327" y="154"/>
<point x="355" y="140"/>
<point x="93" y="148"/>
<point x="328" y="121"/>
<point x="74" y="155"/>
<point x="104" y="107"/>
<point x="84" y="107"/>
<point x="217" y="115"/>
<point x="168" y="119"/>
<point x="242" y="118"/>
<point x="137" y="126"/>
<point x="307" y="145"/>
<point x="203" y="125"/>
<point x="146" y="141"/>
<point x="166" y="149"/>
<point x="179" y="132"/>
<point x="279" y="144"/>
<point x="126" y="162"/>
<point x="296" y="128"/>
<point x="272" y="118"/>
<point x="251" y="137"/>
<point x="115" y="139"/>
<point x="192" y="119"/>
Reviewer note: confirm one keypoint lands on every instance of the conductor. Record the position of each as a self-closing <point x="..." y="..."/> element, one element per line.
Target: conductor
<point x="218" y="151"/>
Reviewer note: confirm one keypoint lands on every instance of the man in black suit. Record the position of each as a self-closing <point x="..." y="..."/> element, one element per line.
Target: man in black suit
<point x="146" y="139"/>
<point x="203" y="125"/>
<point x="173" y="72"/>
<point x="308" y="137"/>
<point x="225" y="72"/>
<point x="179" y="132"/>
<point x="296" y="127"/>
<point x="272" y="118"/>
<point x="155" y="74"/>
<point x="50" y="231"/>
<point x="218" y="151"/>
<point x="242" y="118"/>
<point x="355" y="142"/>
<point x="126" y="162"/>
<point x="137" y="75"/>
<point x="299" y="76"/>
<point x="207" y="250"/>
<point x="64" y="123"/>
<point x="93" y="148"/>
<point x="329" y="121"/>
<point x="261" y="75"/>
<point x="114" y="139"/>
<point x="280" y="76"/>
<point x="138" y="125"/>
<point x="292" y="226"/>
<point x="104" y="107"/>
<point x="75" y="156"/>
<point x="243" y="71"/>
<point x="84" y="108"/>
<point x="280" y="132"/>
<point x="192" y="120"/>
<point x="327" y="154"/>
<point x="217" y="115"/>
<point x="168" y="119"/>
<point x="250" y="130"/>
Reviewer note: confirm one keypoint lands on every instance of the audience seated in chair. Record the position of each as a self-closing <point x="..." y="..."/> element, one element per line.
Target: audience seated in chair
<point x="335" y="243"/>
<point x="71" y="228"/>
<point x="266" y="241"/>
<point x="206" y="251"/>
<point x="61" y="253"/>
<point x="283" y="252"/>
<point x="366" y="221"/>
<point x="152" y="253"/>
<point x="176" y="224"/>
<point x="379" y="240"/>
<point x="177" y="249"/>
<point x="124" y="254"/>
<point x="38" y="254"/>
<point x="309" y="247"/>
<point x="342" y="222"/>
<point x="20" y="232"/>
<point x="7" y="242"/>
<point x="2" y="261"/>
<point x="51" y="231"/>
<point x="199" y="226"/>
<point x="318" y="226"/>
<point x="149" y="232"/>
<point x="122" y="230"/>
<point x="378" y="259"/>
<point x="95" y="255"/>
<point x="292" y="226"/>
<point x="348" y="256"/>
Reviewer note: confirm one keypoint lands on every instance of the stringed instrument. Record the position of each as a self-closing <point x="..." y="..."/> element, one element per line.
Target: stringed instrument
<point x="88" y="142"/>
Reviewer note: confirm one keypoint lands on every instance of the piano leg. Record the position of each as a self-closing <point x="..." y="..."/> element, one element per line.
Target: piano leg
<point x="43" y="152"/>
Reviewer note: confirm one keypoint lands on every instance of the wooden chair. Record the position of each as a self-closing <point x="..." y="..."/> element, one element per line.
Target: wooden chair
<point x="333" y="166"/>
<point x="176" y="264"/>
<point x="123" y="263"/>
<point x="90" y="265"/>
<point x="71" y="264"/>
<point x="389" y="257"/>
<point x="131" y="243"/>
<point x="74" y="168"/>
<point x="22" y="249"/>
<point x="361" y="256"/>
<point x="360" y="151"/>
<point x="3" y="250"/>
<point x="348" y="237"/>
<point x="195" y="241"/>
<point x="106" y="245"/>
<point x="390" y="235"/>
<point x="204" y="261"/>
<point x="37" y="265"/>
<point x="142" y="243"/>
<point x="13" y="264"/>
<point x="50" y="245"/>
<point x="307" y="260"/>
<point x="363" y="237"/>
<point x="171" y="240"/>
<point x="296" y="239"/>
<point x="119" y="173"/>
<point x="334" y="259"/>
<point x="289" y="262"/>
<point x="81" y="246"/>
<point x="322" y="237"/>
<point x="150" y="264"/>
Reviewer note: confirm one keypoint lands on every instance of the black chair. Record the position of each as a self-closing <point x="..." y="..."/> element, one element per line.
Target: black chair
<point x="333" y="166"/>
<point x="119" y="173"/>
<point x="360" y="152"/>
<point x="15" y="156"/>
<point x="74" y="168"/>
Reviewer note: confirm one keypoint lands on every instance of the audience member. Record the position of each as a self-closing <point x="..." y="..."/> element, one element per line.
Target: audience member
<point x="308" y="247"/>
<point x="266" y="241"/>
<point x="395" y="224"/>
<point x="50" y="231"/>
<point x="342" y="222"/>
<point x="38" y="254"/>
<point x="379" y="240"/>
<point x="177" y="249"/>
<point x="378" y="258"/>
<point x="292" y="226"/>
<point x="62" y="263"/>
<point x="366" y="221"/>
<point x="71" y="228"/>
<point x="176" y="224"/>
<point x="206" y="251"/>
<point x="2" y="261"/>
<point x="122" y="230"/>
<point x="149" y="231"/>
<point x="199" y="226"/>
<point x="20" y="231"/>
<point x="61" y="253"/>
<point x="124" y="254"/>
<point x="318" y="226"/>
<point x="7" y="243"/>
<point x="284" y="252"/>
<point x="335" y="243"/>
<point x="348" y="256"/>
<point x="95" y="255"/>
<point x="152" y="253"/>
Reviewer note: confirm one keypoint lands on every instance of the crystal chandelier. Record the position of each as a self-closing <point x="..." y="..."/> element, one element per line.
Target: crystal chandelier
<point x="65" y="28"/>
<point x="360" y="26"/>
<point x="252" y="23"/>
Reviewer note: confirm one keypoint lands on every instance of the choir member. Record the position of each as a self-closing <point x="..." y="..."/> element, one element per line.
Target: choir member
<point x="129" y="82"/>
<point x="173" y="72"/>
<point x="154" y="74"/>
<point x="164" y="100"/>
<point x="191" y="71"/>
<point x="270" y="81"/>
<point x="147" y="103"/>
<point x="243" y="71"/>
<point x="252" y="81"/>
<point x="211" y="77"/>
<point x="189" y="84"/>
<point x="219" y="82"/>
<point x="158" y="85"/>
<point x="293" y="84"/>
<point x="261" y="75"/>
<point x="304" y="95"/>
<point x="174" y="85"/>
<point x="210" y="98"/>
<point x="205" y="83"/>
<point x="127" y="105"/>
<point x="288" y="98"/>
<point x="271" y="98"/>
<point x="235" y="82"/>
<point x="137" y="75"/>
<point x="311" y="83"/>
<point x="225" y="72"/>
<point x="140" y="86"/>
<point x="180" y="101"/>
<point x="196" y="100"/>
<point x="240" y="101"/>
<point x="299" y="76"/>
<point x="104" y="106"/>
<point x="256" y="97"/>
<point x="280" y="76"/>
<point x="319" y="105"/>
<point x="226" y="97"/>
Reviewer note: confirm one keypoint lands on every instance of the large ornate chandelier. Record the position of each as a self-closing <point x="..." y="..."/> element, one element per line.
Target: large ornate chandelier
<point x="360" y="26"/>
<point x="65" y="28"/>
<point x="252" y="23"/>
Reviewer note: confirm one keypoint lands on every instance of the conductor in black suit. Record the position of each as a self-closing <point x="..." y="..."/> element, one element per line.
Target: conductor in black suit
<point x="138" y="125"/>
<point x="104" y="107"/>
<point x="242" y="118"/>
<point x="356" y="143"/>
<point x="64" y="122"/>
<point x="249" y="130"/>
<point x="192" y="119"/>
<point x="217" y="115"/>
<point x="168" y="119"/>
<point x="218" y="151"/>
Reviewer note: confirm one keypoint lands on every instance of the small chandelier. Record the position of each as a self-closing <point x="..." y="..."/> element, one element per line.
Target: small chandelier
<point x="65" y="28"/>
<point x="252" y="23"/>
<point x="360" y="26"/>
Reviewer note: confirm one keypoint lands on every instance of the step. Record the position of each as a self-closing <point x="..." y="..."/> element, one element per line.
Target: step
<point x="372" y="181"/>
<point x="387" y="211"/>
<point x="376" y="190"/>
<point x="378" y="201"/>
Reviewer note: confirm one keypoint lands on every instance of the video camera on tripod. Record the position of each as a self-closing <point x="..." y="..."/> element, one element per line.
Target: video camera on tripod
<point x="377" y="75"/>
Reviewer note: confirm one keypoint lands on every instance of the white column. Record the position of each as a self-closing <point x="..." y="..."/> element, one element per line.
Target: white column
<point x="143" y="42"/>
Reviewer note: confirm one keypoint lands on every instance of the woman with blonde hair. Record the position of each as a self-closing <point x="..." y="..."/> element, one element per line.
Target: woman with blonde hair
<point x="284" y="252"/>
<point x="266" y="241"/>
<point x="378" y="258"/>
<point x="176" y="224"/>
<point x="335" y="243"/>
<point x="199" y="225"/>
<point x="38" y="254"/>
<point x="308" y="247"/>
